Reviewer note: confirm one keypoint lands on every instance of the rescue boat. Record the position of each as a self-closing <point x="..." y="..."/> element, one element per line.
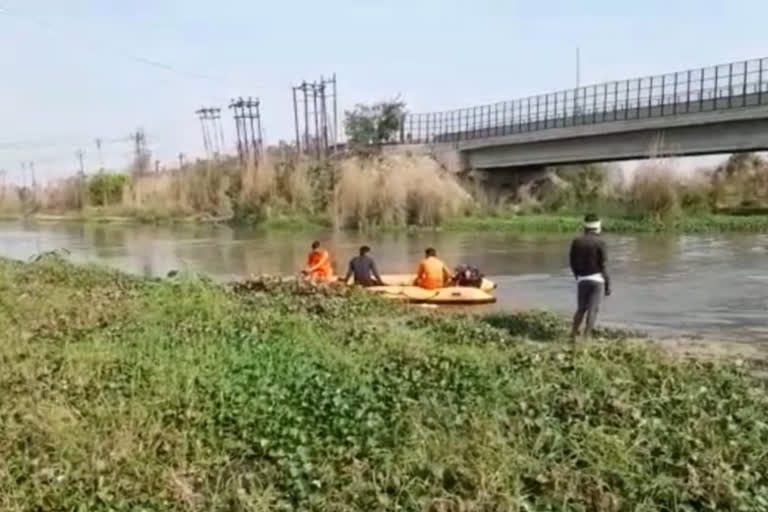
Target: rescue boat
<point x="400" y="287"/>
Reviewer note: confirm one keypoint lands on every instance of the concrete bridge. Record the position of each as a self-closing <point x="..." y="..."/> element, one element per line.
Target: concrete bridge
<point x="719" y="109"/>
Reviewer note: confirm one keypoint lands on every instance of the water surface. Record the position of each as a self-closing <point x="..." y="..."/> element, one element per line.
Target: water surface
<point x="708" y="285"/>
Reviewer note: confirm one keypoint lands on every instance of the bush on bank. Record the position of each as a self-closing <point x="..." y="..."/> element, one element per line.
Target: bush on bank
<point x="119" y="393"/>
<point x="377" y="191"/>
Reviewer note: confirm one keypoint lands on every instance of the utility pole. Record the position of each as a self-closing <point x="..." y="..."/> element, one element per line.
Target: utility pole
<point x="234" y="105"/>
<point x="578" y="68"/>
<point x="101" y="156"/>
<point x="141" y="157"/>
<point x="217" y="121"/>
<point x="203" y="116"/>
<point x="576" y="107"/>
<point x="335" y="116"/>
<point x="323" y="116"/>
<point x="306" y="116"/>
<point x="181" y="161"/>
<point x="247" y="115"/>
<point x="80" y="154"/>
<point x="314" y="114"/>
<point x="296" y="121"/>
<point x="315" y="130"/>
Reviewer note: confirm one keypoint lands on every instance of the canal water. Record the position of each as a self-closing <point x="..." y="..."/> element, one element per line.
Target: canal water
<point x="671" y="286"/>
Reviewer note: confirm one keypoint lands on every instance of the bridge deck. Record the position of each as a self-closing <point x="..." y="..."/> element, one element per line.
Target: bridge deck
<point x="738" y="85"/>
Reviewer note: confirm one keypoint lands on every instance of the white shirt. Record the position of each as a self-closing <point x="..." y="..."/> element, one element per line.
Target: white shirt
<point x="598" y="278"/>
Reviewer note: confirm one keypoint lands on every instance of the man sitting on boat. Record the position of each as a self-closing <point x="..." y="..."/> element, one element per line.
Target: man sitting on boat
<point x="319" y="266"/>
<point x="432" y="273"/>
<point x="363" y="269"/>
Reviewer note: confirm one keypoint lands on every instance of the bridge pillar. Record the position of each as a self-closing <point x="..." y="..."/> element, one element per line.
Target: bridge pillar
<point x="504" y="183"/>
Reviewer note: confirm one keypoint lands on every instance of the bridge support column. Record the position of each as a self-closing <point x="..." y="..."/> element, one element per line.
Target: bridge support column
<point x="505" y="183"/>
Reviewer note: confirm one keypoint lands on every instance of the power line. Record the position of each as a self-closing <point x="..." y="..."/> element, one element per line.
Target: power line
<point x="43" y="144"/>
<point x="119" y="51"/>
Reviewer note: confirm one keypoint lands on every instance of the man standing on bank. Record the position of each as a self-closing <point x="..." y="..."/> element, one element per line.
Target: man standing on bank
<point x="588" y="262"/>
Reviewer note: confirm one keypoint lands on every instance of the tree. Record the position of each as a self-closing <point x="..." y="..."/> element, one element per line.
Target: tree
<point x="374" y="124"/>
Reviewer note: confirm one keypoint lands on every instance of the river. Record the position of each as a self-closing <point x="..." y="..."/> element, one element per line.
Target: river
<point x="713" y="286"/>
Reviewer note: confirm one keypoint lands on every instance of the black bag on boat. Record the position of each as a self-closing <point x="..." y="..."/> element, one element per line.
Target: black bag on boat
<point x="466" y="275"/>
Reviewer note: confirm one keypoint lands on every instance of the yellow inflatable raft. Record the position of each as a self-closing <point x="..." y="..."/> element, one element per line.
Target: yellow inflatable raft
<point x="400" y="287"/>
<point x="408" y="279"/>
<point x="456" y="295"/>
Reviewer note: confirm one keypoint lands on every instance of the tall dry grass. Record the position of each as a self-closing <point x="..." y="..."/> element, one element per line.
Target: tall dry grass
<point x="655" y="191"/>
<point x="395" y="191"/>
<point x="392" y="190"/>
<point x="198" y="189"/>
<point x="10" y="199"/>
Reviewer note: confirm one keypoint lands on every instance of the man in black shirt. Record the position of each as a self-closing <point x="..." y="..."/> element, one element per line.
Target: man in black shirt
<point x="363" y="269"/>
<point x="588" y="261"/>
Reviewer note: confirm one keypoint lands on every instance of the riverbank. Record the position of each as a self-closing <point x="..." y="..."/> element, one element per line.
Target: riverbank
<point x="402" y="192"/>
<point x="710" y="223"/>
<point x="539" y="223"/>
<point x="184" y="394"/>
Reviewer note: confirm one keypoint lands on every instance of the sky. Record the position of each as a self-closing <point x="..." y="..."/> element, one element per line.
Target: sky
<point x="80" y="70"/>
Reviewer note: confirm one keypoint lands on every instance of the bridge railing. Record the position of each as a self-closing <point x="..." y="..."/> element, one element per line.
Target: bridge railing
<point x="734" y="85"/>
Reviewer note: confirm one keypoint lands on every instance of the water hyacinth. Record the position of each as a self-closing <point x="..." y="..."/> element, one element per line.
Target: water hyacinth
<point x="122" y="393"/>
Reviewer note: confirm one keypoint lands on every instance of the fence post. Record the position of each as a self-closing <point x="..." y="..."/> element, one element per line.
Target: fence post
<point x="701" y="90"/>
<point x="626" y="101"/>
<point x="688" y="93"/>
<point x="730" y="84"/>
<point x="717" y="73"/>
<point x="575" y="106"/>
<point x="674" y="97"/>
<point x="650" y="98"/>
<point x="528" y="115"/>
<point x="555" y="113"/>
<point x="760" y="83"/>
<point x="504" y="118"/>
<point x="744" y="85"/>
<point x="594" y="104"/>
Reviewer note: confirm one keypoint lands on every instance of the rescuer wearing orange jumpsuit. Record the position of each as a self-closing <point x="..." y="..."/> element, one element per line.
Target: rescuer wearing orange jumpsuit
<point x="432" y="272"/>
<point x="319" y="264"/>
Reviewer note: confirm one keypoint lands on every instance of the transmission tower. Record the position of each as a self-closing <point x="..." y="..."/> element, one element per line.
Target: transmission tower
<point x="247" y="116"/>
<point x="319" y="133"/>
<point x="212" y="130"/>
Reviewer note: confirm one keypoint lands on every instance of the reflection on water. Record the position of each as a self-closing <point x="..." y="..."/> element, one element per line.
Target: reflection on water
<point x="667" y="284"/>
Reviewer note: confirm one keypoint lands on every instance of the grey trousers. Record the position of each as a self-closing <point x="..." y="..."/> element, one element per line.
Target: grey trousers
<point x="590" y="295"/>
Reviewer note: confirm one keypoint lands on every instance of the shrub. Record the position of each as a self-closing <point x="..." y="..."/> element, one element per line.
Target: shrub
<point x="106" y="188"/>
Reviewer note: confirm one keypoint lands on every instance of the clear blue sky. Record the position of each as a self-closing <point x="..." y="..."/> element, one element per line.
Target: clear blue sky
<point x="68" y="78"/>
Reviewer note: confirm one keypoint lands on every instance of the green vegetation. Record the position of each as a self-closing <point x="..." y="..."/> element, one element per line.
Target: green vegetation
<point x="373" y="125"/>
<point x="710" y="223"/>
<point x="105" y="189"/>
<point x="118" y="393"/>
<point x="369" y="190"/>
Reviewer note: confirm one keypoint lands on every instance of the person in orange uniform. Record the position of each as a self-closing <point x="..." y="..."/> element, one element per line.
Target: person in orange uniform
<point x="318" y="264"/>
<point x="432" y="272"/>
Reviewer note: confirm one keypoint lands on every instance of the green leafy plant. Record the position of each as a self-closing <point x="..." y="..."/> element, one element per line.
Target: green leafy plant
<point x="372" y="125"/>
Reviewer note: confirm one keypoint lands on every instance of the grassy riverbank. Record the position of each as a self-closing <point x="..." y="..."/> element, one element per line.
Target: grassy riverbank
<point x="544" y="223"/>
<point x="125" y="394"/>
<point x="404" y="192"/>
<point x="513" y="223"/>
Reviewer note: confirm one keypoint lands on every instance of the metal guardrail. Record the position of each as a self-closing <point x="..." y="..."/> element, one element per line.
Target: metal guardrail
<point x="734" y="85"/>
